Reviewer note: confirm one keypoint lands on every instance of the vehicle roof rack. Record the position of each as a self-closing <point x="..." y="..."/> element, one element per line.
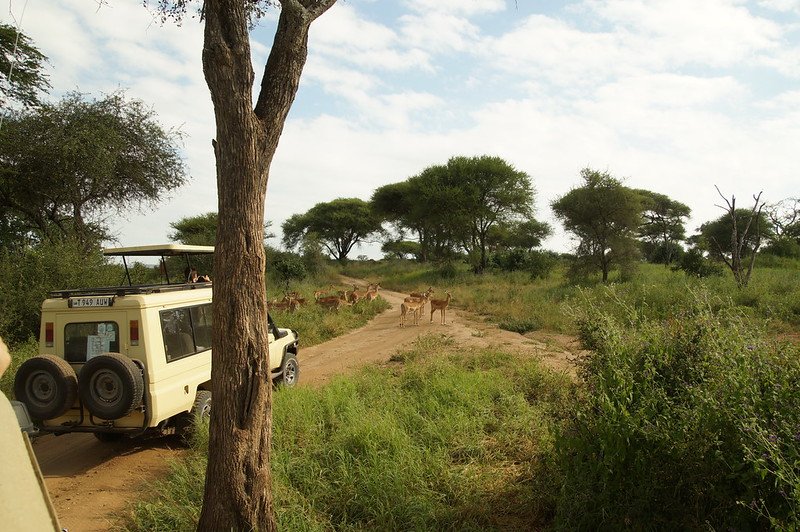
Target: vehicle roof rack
<point x="126" y="290"/>
<point x="158" y="250"/>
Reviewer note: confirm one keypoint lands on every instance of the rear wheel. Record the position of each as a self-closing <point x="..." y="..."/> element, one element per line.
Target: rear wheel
<point x="290" y="371"/>
<point x="47" y="386"/>
<point x="111" y="386"/>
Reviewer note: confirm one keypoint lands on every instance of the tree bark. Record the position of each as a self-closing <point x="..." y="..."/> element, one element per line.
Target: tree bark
<point x="238" y="482"/>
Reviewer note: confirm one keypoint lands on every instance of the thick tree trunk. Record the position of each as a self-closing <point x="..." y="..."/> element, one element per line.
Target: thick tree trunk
<point x="238" y="482"/>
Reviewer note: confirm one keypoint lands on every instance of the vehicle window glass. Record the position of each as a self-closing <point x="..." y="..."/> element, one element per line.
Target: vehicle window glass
<point x="186" y="331"/>
<point x="83" y="341"/>
<point x="201" y="323"/>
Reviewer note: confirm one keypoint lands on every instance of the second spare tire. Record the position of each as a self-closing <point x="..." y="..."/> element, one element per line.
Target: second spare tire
<point x="111" y="386"/>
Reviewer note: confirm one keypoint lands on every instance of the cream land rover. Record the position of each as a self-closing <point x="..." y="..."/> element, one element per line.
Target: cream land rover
<point x="129" y="360"/>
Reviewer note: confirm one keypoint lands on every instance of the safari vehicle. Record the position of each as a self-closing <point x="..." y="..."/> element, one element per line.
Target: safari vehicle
<point x="132" y="359"/>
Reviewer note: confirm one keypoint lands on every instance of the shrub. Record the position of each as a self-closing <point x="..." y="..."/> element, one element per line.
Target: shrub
<point x="694" y="263"/>
<point x="689" y="423"/>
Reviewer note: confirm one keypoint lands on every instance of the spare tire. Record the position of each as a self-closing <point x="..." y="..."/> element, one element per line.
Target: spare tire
<point x="47" y="386"/>
<point x="111" y="386"/>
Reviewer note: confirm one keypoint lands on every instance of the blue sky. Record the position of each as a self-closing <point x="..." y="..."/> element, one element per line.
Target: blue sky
<point x="674" y="96"/>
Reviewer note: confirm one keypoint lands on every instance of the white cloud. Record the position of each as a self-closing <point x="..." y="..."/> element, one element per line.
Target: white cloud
<point x="674" y="96"/>
<point x="461" y="7"/>
<point x="344" y="35"/>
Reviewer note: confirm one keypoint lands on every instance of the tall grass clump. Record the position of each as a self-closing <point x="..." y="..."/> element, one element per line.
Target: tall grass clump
<point x="443" y="439"/>
<point x="690" y="422"/>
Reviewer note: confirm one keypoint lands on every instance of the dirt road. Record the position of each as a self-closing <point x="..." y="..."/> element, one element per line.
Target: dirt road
<point x="91" y="483"/>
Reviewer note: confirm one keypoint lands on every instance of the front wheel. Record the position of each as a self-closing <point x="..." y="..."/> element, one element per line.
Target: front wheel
<point x="290" y="371"/>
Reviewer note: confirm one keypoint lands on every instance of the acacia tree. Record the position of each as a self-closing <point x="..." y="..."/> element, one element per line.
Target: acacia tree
<point x="454" y="206"/>
<point x="21" y="69"/>
<point x="64" y="166"/>
<point x="238" y="481"/>
<point x="337" y="225"/>
<point x="663" y="225"/>
<point x="490" y="192"/>
<point x="604" y="215"/>
<point x="423" y="204"/>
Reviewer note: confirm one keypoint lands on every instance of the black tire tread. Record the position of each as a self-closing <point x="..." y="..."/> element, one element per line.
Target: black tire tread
<point x="63" y="375"/>
<point x="131" y="376"/>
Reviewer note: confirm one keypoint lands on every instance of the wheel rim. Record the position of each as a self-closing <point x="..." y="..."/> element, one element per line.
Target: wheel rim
<point x="41" y="387"/>
<point x="106" y="386"/>
<point x="205" y="412"/>
<point x="290" y="372"/>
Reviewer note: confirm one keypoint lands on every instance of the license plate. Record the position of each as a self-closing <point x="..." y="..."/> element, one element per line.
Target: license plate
<point x="99" y="301"/>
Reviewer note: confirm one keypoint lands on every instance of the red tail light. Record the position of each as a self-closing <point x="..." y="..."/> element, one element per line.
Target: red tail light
<point x="134" y="332"/>
<point x="48" y="334"/>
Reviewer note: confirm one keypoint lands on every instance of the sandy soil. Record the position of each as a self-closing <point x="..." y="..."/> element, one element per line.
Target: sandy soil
<point x="91" y="483"/>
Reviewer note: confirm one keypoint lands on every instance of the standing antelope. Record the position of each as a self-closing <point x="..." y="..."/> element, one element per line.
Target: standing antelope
<point x="440" y="305"/>
<point x="424" y="296"/>
<point x="414" y="307"/>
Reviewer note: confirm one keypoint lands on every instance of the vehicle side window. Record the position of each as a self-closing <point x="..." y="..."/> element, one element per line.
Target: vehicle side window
<point x="186" y="331"/>
<point x="83" y="341"/>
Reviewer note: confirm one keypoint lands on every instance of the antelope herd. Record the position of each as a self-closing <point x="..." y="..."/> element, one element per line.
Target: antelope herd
<point x="332" y="298"/>
<point x="415" y="304"/>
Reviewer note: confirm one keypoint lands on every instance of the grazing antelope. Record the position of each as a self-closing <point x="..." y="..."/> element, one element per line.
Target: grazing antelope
<point x="415" y="307"/>
<point x="287" y="303"/>
<point x="333" y="302"/>
<point x="441" y="306"/>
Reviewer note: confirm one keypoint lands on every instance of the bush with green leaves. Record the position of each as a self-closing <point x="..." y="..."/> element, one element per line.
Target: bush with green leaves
<point x="538" y="263"/>
<point x="29" y="274"/>
<point x="695" y="264"/>
<point x="690" y="422"/>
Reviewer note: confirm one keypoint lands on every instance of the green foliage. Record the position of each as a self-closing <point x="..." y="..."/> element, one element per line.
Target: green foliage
<point x="454" y="207"/>
<point x="65" y="166"/>
<point x="284" y="266"/>
<point x="663" y="226"/>
<point x="19" y="354"/>
<point x="446" y="439"/>
<point x="783" y="247"/>
<point x="337" y="226"/>
<point x="605" y="216"/>
<point x="538" y="263"/>
<point x="694" y="263"/>
<point x="316" y="324"/>
<point x="402" y="249"/>
<point x="198" y="230"/>
<point x="716" y="236"/>
<point x="28" y="81"/>
<point x="689" y="422"/>
<point x="27" y="275"/>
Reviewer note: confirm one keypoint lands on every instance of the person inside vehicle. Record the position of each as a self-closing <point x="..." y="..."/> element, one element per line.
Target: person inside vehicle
<point x="193" y="277"/>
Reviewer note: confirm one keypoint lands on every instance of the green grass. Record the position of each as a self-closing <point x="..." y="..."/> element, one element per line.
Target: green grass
<point x="518" y="303"/>
<point x="446" y="439"/>
<point x="316" y="324"/>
